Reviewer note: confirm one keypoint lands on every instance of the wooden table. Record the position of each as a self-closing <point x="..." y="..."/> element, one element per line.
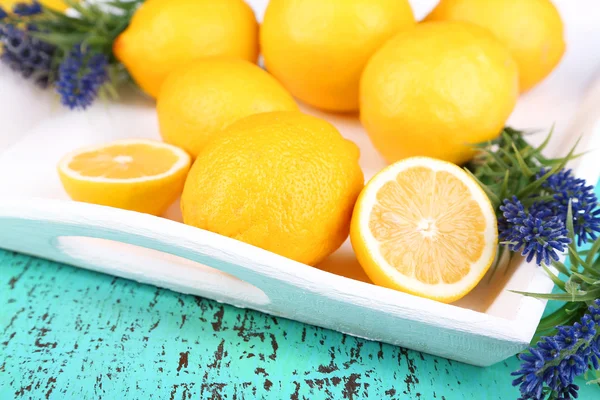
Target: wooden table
<point x="68" y="333"/>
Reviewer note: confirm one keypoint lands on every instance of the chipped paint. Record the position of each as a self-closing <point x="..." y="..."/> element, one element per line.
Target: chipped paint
<point x="71" y="333"/>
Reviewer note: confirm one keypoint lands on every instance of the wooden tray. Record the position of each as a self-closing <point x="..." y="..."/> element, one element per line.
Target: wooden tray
<point x="36" y="217"/>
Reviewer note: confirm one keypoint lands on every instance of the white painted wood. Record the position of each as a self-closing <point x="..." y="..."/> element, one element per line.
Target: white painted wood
<point x="488" y="325"/>
<point x="290" y="289"/>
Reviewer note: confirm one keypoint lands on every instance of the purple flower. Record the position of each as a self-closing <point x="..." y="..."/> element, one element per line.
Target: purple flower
<point x="571" y="367"/>
<point x="26" y="55"/>
<point x="584" y="203"/>
<point x="27" y="9"/>
<point x="80" y="77"/>
<point x="566" y="337"/>
<point x="556" y="361"/>
<point x="534" y="232"/>
<point x="568" y="393"/>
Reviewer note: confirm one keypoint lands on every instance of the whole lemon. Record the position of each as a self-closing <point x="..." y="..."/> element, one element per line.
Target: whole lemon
<point x="531" y="29"/>
<point x="57" y="5"/>
<point x="200" y="99"/>
<point x="165" y="34"/>
<point x="318" y="49"/>
<point x="435" y="90"/>
<point x="282" y="181"/>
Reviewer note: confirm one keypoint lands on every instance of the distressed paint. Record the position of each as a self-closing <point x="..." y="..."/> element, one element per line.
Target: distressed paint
<point x="68" y="333"/>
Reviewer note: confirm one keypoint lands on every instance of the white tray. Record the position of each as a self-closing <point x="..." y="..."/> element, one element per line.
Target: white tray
<point x="487" y="326"/>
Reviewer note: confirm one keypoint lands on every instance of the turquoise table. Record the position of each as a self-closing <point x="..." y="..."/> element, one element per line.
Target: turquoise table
<point x="68" y="333"/>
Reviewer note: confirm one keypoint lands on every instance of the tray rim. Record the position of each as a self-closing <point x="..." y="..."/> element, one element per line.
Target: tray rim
<point x="265" y="264"/>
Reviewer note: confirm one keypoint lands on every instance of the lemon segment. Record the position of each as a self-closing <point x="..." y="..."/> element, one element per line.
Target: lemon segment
<point x="425" y="227"/>
<point x="139" y="175"/>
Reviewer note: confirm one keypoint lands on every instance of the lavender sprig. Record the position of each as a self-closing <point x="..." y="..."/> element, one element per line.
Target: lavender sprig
<point x="514" y="174"/>
<point x="571" y="347"/>
<point x="73" y="53"/>
<point x="27" y="9"/>
<point x="550" y="368"/>
<point x="566" y="188"/>
<point x="80" y="77"/>
<point x="22" y="52"/>
<point x="536" y="232"/>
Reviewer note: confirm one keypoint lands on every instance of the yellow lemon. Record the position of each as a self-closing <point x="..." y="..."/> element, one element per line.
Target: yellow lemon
<point x="318" y="49"/>
<point x="282" y="181"/>
<point x="166" y="34"/>
<point x="202" y="98"/>
<point x="139" y="175"/>
<point x="57" y="5"/>
<point x="531" y="29"/>
<point x="425" y="227"/>
<point x="435" y="90"/>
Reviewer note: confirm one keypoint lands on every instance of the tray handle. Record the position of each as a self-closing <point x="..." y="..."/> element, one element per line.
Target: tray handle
<point x="145" y="248"/>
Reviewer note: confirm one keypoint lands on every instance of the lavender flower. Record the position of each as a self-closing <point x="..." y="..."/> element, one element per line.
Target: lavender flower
<point x="584" y="203"/>
<point x="80" y="77"/>
<point x="551" y="366"/>
<point x="27" y="9"/>
<point x="26" y="55"/>
<point x="535" y="232"/>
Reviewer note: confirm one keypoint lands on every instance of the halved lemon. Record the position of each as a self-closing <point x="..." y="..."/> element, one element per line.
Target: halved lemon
<point x="139" y="175"/>
<point x="425" y="227"/>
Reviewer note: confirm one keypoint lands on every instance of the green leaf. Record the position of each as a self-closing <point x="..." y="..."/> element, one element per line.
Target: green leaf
<point x="560" y="284"/>
<point x="126" y="6"/>
<point x="595" y="374"/>
<point x="558" y="317"/>
<point x="504" y="188"/>
<point x="110" y="90"/>
<point x="595" y="250"/>
<point x="571" y="235"/>
<point x="60" y="39"/>
<point x="574" y="289"/>
<point x="522" y="162"/>
<point x="496" y="158"/>
<point x="87" y="10"/>
<point x="562" y="268"/>
<point x="581" y="263"/>
<point x="587" y="279"/>
<point x="546" y="141"/>
<point x="591" y="295"/>
<point x="487" y="191"/>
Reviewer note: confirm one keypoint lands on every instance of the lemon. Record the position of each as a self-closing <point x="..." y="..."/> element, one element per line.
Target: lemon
<point x="318" y="49"/>
<point x="166" y="34"/>
<point x="531" y="29"/>
<point x="282" y="181"/>
<point x="139" y="175"/>
<point x="436" y="89"/>
<point x="57" y="5"/>
<point x="202" y="98"/>
<point x="425" y="227"/>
